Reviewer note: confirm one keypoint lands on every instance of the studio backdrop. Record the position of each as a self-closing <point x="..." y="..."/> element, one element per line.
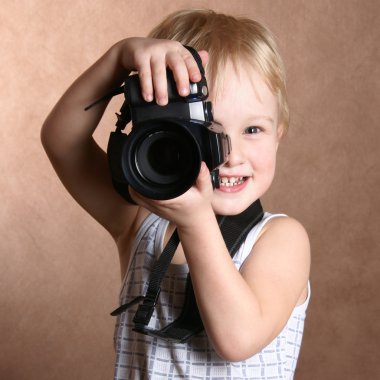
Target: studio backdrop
<point x="59" y="276"/>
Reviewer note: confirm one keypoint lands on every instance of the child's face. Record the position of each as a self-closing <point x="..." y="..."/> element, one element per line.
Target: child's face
<point x="248" y="111"/>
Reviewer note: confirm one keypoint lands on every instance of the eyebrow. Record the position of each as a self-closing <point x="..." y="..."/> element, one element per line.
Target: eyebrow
<point x="268" y="118"/>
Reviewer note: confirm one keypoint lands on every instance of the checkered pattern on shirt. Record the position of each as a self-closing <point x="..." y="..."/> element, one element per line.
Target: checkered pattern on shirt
<point x="143" y="357"/>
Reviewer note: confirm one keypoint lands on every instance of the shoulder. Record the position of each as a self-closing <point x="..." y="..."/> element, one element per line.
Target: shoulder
<point x="283" y="227"/>
<point x="280" y="255"/>
<point x="285" y="238"/>
<point x="280" y="229"/>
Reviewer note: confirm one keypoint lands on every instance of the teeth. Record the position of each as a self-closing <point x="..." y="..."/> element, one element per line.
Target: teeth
<point x="231" y="181"/>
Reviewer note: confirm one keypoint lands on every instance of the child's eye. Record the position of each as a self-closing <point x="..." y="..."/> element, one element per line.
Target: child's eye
<point x="252" y="130"/>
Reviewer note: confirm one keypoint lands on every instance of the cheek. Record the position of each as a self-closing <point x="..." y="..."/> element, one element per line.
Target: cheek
<point x="263" y="159"/>
<point x="264" y="170"/>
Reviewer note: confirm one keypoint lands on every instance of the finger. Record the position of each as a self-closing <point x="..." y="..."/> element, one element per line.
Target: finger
<point x="204" y="56"/>
<point x="203" y="181"/>
<point x="160" y="84"/>
<point x="181" y="76"/>
<point x="134" y="195"/>
<point x="146" y="83"/>
<point x="139" y="199"/>
<point x="192" y="68"/>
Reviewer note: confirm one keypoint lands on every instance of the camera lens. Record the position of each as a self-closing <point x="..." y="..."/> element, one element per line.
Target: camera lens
<point x="161" y="160"/>
<point x="164" y="157"/>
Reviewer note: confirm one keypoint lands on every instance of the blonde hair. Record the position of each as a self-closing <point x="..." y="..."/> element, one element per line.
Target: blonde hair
<point x="228" y="38"/>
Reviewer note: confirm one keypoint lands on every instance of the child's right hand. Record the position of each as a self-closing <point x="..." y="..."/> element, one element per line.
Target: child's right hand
<point x="151" y="57"/>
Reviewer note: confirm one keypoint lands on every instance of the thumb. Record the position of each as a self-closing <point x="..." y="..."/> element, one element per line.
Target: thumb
<point x="203" y="181"/>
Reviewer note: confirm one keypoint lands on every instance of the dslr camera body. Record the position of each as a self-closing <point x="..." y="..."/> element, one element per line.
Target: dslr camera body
<point x="161" y="157"/>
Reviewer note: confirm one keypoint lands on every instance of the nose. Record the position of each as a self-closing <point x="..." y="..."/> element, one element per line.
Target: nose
<point x="236" y="156"/>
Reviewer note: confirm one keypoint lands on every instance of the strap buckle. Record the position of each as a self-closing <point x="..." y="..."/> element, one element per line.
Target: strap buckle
<point x="146" y="309"/>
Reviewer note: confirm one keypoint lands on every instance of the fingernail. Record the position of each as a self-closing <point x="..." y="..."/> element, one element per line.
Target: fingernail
<point x="184" y="91"/>
<point x="148" y="97"/>
<point x="196" y="77"/>
<point x="162" y="101"/>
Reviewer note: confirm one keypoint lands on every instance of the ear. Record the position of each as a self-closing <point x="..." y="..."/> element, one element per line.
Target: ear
<point x="280" y="134"/>
<point x="280" y="131"/>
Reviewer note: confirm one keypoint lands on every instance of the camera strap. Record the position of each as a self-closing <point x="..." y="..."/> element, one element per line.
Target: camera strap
<point x="234" y="230"/>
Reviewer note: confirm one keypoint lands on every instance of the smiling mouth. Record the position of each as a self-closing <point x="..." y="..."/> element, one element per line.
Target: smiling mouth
<point x="231" y="181"/>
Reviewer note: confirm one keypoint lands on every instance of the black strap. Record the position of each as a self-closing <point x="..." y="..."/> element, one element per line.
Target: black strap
<point x="150" y="299"/>
<point x="197" y="58"/>
<point x="145" y="310"/>
<point x="234" y="230"/>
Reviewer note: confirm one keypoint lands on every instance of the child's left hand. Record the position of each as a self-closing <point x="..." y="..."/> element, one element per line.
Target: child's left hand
<point x="189" y="208"/>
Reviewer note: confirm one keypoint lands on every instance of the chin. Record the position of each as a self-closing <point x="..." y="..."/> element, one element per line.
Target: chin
<point x="230" y="206"/>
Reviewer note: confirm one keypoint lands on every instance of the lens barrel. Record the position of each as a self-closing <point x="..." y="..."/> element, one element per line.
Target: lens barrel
<point x="162" y="159"/>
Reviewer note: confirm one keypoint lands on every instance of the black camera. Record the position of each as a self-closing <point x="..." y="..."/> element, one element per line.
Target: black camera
<point x="161" y="157"/>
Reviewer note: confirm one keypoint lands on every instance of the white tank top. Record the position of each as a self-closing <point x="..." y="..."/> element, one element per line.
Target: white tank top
<point x="143" y="357"/>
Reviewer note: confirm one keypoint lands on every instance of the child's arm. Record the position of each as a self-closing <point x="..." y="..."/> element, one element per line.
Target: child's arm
<point x="242" y="311"/>
<point x="67" y="132"/>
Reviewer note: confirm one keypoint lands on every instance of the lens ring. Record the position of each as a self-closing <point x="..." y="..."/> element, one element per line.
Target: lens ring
<point x="149" y="177"/>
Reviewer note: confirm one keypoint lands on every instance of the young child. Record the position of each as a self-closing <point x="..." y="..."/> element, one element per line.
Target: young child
<point x="252" y="307"/>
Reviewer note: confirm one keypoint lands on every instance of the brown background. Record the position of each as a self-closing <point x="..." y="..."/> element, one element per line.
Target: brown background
<point x="59" y="274"/>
